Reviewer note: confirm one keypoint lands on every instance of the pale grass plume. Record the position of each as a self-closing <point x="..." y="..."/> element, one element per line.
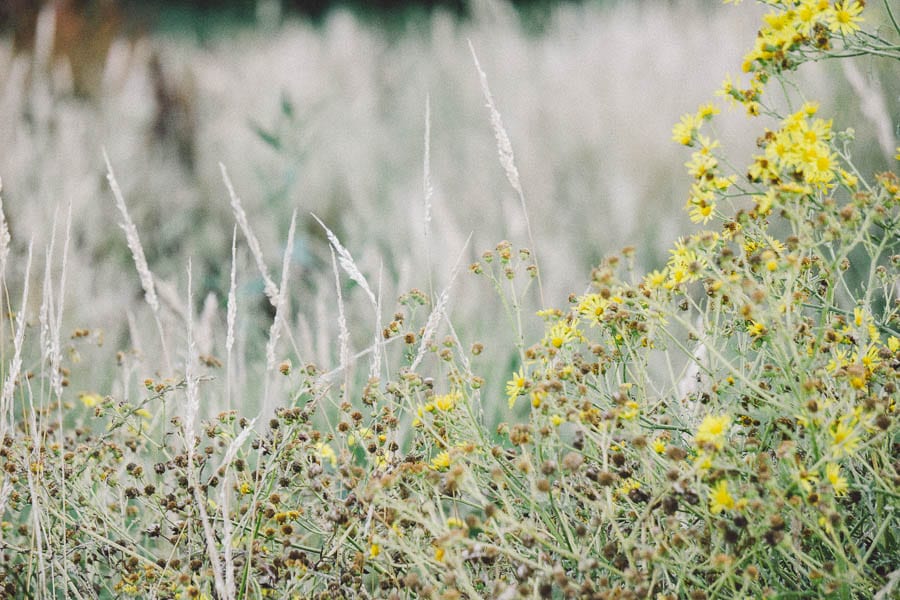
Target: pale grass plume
<point x="504" y="147"/>
<point x="377" y="345"/>
<point x="51" y="323"/>
<point x="140" y="260"/>
<point x="37" y="507"/>
<point x="428" y="187"/>
<point x="55" y="353"/>
<point x="192" y="411"/>
<point x="507" y="159"/>
<point x="134" y="241"/>
<point x="343" y="332"/>
<point x="5" y="237"/>
<point x="241" y="217"/>
<point x="47" y="299"/>
<point x="281" y="304"/>
<point x="428" y="192"/>
<point x="231" y="311"/>
<point x="347" y="263"/>
<point x="230" y="318"/>
<point x="208" y="316"/>
<point x="15" y="365"/>
<point x="439" y="310"/>
<point x="44" y="312"/>
<point x="192" y="408"/>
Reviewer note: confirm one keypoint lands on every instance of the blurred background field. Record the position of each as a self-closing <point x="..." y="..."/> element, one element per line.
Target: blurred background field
<point x="322" y="109"/>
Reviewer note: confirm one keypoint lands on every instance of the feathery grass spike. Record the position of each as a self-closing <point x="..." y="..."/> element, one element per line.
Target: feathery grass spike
<point x="5" y="238"/>
<point x="241" y="217"/>
<point x="137" y="253"/>
<point x="426" y="167"/>
<point x="15" y="366"/>
<point x="507" y="159"/>
<point x="282" y="299"/>
<point x="347" y="263"/>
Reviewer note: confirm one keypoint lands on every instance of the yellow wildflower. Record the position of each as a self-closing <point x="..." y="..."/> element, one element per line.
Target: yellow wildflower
<point x="756" y="329"/>
<point x="893" y="343"/>
<point x="655" y="279"/>
<point x="720" y="498"/>
<point x="844" y="17"/>
<point x="848" y="179"/>
<point x="712" y="431"/>
<point x="561" y="333"/>
<point x="844" y="438"/>
<point x="325" y="451"/>
<point x="90" y="400"/>
<point x="834" y="477"/>
<point x="627" y="486"/>
<point x="515" y="387"/>
<point x="446" y="402"/>
<point x="441" y="461"/>
<point x="684" y="131"/>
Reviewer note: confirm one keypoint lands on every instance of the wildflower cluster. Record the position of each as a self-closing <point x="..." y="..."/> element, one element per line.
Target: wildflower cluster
<point x="723" y="427"/>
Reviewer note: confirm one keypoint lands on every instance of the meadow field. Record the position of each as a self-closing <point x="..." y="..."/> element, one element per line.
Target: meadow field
<point x="445" y="307"/>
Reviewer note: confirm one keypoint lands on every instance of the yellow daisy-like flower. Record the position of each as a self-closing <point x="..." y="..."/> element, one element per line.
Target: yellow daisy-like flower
<point x="593" y="306"/>
<point x="446" y="402"/>
<point x="844" y="17"/>
<point x="756" y="329"/>
<point x="720" y="499"/>
<point x="893" y="343"/>
<point x="684" y="131"/>
<point x="844" y="438"/>
<point x="655" y="279"/>
<point x="441" y="461"/>
<point x="515" y="387"/>
<point x="561" y="333"/>
<point x="712" y="431"/>
<point x="838" y="482"/>
<point x="707" y="110"/>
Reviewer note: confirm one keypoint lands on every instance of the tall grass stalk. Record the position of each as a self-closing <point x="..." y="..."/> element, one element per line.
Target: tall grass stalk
<point x="507" y="160"/>
<point x="241" y="217"/>
<point x="140" y="260"/>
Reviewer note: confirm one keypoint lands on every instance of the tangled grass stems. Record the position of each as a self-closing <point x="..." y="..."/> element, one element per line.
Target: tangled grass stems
<point x="723" y="427"/>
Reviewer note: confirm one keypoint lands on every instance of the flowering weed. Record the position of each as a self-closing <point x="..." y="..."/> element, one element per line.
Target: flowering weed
<point x="723" y="427"/>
